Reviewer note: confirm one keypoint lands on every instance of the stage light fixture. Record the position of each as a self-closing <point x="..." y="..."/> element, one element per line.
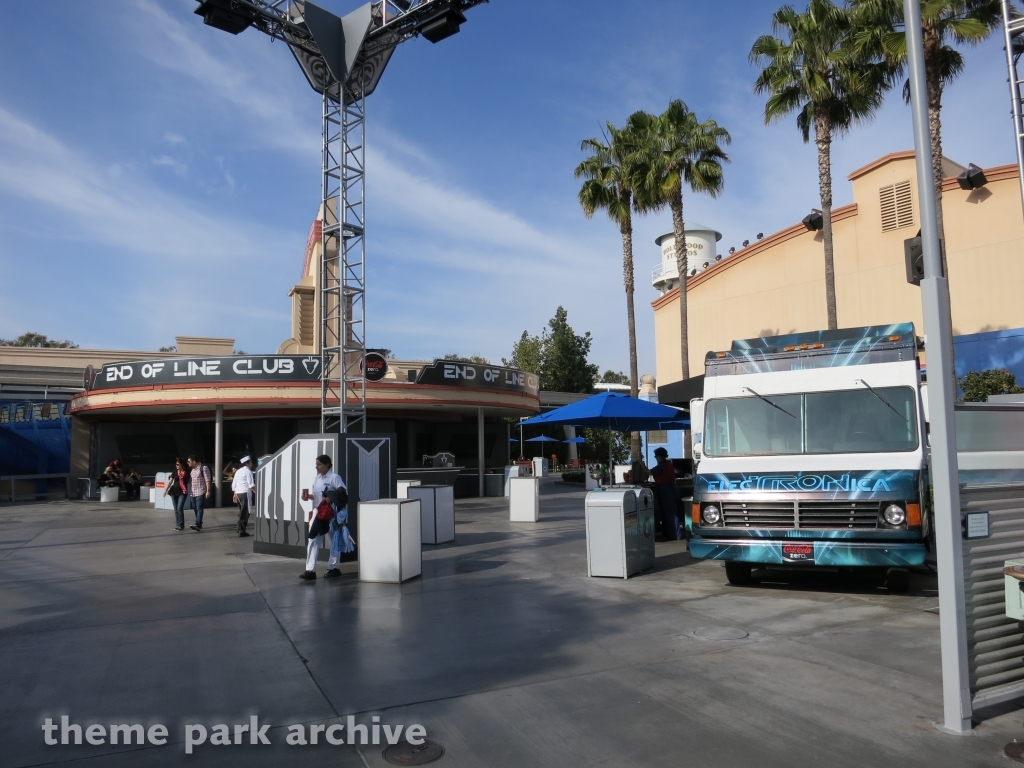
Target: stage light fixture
<point x="226" y="15"/>
<point x="760" y="235"/>
<point x="814" y="221"/>
<point x="732" y="250"/>
<point x="972" y="178"/>
<point x="746" y="243"/>
<point x="442" y="25"/>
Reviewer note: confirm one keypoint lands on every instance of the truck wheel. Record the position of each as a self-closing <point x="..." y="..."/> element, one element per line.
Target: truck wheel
<point x="897" y="580"/>
<point x="737" y="573"/>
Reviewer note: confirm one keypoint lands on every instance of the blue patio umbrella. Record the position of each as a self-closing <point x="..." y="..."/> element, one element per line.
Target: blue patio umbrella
<point x="541" y="439"/>
<point x="614" y="412"/>
<point x="575" y="440"/>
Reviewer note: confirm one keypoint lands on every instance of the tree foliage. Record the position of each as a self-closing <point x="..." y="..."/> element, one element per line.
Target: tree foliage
<point x="672" y="152"/>
<point x="978" y="385"/>
<point x="32" y="339"/>
<point x="463" y="359"/>
<point x="558" y="356"/>
<point x="610" y="182"/>
<point x="880" y="31"/>
<point x="596" y="447"/>
<point x="565" y="358"/>
<point x="527" y="354"/>
<point x="613" y="377"/>
<point x="812" y="67"/>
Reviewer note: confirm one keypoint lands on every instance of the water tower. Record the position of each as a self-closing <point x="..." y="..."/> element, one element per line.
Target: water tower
<point x="701" y="252"/>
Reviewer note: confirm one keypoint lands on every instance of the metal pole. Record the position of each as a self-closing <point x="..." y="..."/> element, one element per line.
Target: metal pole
<point x="480" y="449"/>
<point x="611" y="466"/>
<point x="218" y="454"/>
<point x="1009" y="27"/>
<point x="956" y="694"/>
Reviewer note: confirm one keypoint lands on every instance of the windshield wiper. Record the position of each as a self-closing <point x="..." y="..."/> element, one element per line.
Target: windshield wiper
<point x="773" y="405"/>
<point x="887" y="403"/>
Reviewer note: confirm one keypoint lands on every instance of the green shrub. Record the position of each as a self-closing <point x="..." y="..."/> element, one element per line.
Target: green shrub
<point x="574" y="477"/>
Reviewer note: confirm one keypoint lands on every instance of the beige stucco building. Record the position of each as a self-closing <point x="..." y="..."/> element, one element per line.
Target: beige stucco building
<point x="776" y="285"/>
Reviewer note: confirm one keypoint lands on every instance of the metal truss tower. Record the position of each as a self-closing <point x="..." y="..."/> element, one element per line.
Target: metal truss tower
<point x="343" y="59"/>
<point x="1013" y="27"/>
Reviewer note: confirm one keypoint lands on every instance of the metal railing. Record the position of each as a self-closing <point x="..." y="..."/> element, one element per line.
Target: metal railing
<point x="664" y="271"/>
<point x="43" y="487"/>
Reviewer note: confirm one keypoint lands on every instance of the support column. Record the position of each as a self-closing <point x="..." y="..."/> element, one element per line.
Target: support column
<point x="218" y="454"/>
<point x="570" y="433"/>
<point x="956" y="693"/>
<point x="480" y="449"/>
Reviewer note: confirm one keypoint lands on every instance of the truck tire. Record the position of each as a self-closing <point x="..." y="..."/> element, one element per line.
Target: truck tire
<point x="897" y="580"/>
<point x="737" y="573"/>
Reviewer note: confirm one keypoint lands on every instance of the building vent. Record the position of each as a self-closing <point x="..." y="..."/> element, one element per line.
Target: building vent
<point x="897" y="206"/>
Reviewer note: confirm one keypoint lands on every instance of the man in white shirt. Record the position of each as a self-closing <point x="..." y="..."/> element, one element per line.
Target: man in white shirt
<point x="326" y="479"/>
<point x="243" y="484"/>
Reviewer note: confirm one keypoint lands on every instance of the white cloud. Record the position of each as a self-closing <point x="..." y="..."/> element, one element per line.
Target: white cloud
<point x="125" y="211"/>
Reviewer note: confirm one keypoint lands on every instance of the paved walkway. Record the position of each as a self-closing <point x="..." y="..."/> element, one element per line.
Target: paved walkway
<point x="504" y="651"/>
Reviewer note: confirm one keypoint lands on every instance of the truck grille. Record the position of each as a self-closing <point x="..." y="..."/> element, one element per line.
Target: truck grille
<point x="839" y="514"/>
<point x="812" y="514"/>
<point x="758" y="514"/>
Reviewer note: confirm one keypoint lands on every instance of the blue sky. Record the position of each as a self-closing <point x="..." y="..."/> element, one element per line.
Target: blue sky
<point x="158" y="177"/>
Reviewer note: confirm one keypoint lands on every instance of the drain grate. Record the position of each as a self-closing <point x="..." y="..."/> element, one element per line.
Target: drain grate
<point x="719" y="633"/>
<point x="408" y="754"/>
<point x="1014" y="751"/>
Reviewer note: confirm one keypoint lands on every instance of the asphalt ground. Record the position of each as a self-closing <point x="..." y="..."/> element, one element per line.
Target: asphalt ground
<point x="504" y="651"/>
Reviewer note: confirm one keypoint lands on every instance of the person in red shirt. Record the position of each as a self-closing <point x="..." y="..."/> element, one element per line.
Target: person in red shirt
<point x="177" y="489"/>
<point x="667" y="493"/>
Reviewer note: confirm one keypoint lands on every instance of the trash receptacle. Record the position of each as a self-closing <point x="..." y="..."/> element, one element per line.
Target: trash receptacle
<point x="524" y="499"/>
<point x="437" y="512"/>
<point x="389" y="540"/>
<point x="617" y="520"/>
<point x="645" y="511"/>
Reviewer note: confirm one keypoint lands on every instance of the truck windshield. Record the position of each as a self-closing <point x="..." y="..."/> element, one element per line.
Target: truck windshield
<point x="879" y="420"/>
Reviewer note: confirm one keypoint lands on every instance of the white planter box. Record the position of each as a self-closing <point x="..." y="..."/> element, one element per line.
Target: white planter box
<point x="109" y="493"/>
<point x="437" y="512"/>
<point x="524" y="499"/>
<point x="403" y="488"/>
<point x="389" y="540"/>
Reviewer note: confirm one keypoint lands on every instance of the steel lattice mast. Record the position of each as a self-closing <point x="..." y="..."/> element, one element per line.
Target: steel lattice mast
<point x="343" y="59"/>
<point x="1013" y="26"/>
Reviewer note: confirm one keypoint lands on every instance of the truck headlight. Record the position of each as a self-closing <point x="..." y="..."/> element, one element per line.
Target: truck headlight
<point x="711" y="514"/>
<point x="894" y="515"/>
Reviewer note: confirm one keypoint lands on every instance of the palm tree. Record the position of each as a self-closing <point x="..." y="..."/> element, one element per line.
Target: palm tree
<point x="674" y="150"/>
<point x="816" y="73"/>
<point x="880" y="32"/>
<point x="609" y="186"/>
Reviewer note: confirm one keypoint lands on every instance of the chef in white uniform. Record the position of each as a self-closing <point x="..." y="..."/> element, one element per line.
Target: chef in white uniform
<point x="243" y="484"/>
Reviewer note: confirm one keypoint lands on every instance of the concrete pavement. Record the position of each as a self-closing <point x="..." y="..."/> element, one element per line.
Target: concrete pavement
<point x="504" y="651"/>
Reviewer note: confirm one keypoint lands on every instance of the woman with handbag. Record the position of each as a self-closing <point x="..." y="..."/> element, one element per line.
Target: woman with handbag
<point x="320" y="517"/>
<point x="177" y="488"/>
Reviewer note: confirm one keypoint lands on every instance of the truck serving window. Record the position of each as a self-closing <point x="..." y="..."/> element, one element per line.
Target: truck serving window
<point x="879" y="420"/>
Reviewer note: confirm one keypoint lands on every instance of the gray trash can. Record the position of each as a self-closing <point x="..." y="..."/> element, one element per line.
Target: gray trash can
<point x="620" y="532"/>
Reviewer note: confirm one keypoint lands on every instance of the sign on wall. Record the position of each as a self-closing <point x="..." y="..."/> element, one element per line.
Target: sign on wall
<point x="254" y="369"/>
<point x="452" y="373"/>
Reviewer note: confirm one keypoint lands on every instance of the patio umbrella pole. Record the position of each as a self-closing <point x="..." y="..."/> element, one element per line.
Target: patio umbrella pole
<point x="611" y="467"/>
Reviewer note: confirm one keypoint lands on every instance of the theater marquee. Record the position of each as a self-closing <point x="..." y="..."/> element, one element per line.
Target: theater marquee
<point x="262" y="369"/>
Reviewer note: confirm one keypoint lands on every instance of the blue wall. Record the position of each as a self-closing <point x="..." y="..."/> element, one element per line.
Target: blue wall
<point x="993" y="349"/>
<point x="32" y="444"/>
